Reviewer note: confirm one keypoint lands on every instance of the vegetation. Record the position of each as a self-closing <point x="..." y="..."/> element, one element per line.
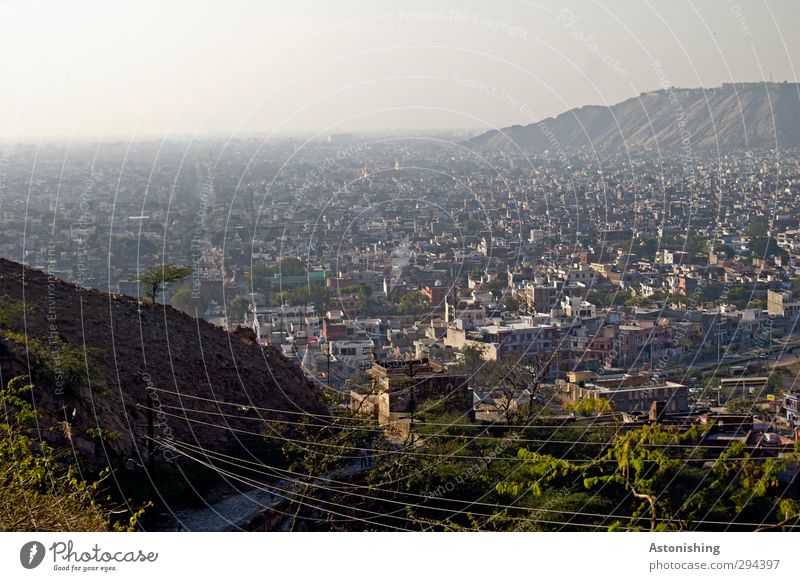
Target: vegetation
<point x="591" y="407"/>
<point x="191" y="303"/>
<point x="455" y="476"/>
<point x="40" y="490"/>
<point x="68" y="367"/>
<point x="160" y="277"/>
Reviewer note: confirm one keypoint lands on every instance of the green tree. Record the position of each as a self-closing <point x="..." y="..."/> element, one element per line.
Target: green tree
<point x="763" y="247"/>
<point x="237" y="307"/>
<point x="758" y="228"/>
<point x="191" y="303"/>
<point x="591" y="407"/>
<point x="291" y="266"/>
<point x="413" y="303"/>
<point x="651" y="474"/>
<point x="159" y="278"/>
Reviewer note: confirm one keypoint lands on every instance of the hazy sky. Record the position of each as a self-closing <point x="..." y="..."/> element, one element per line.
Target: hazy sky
<point x="104" y="68"/>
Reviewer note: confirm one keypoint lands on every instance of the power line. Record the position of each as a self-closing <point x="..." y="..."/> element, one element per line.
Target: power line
<point x="242" y="463"/>
<point x="438" y="435"/>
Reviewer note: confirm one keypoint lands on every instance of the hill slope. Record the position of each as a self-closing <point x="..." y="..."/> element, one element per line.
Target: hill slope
<point x="740" y="116"/>
<point x="44" y="324"/>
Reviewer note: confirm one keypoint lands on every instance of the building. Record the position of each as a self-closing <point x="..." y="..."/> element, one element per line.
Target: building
<point x="542" y="297"/>
<point x="435" y="294"/>
<point x="402" y="388"/>
<point x="782" y="304"/>
<point x="299" y="322"/>
<point x="628" y="393"/>
<point x="499" y="341"/>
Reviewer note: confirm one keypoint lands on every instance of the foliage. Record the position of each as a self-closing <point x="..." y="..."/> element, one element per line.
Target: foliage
<point x="191" y="303"/>
<point x="69" y="367"/>
<point x="413" y="303"/>
<point x="290" y="266"/>
<point x="764" y="247"/>
<point x="591" y="406"/>
<point x="316" y="295"/>
<point x="38" y="490"/>
<point x="650" y="474"/>
<point x="510" y="302"/>
<point x="160" y="277"/>
<point x="517" y="385"/>
<point x="740" y="405"/>
<point x="12" y="312"/>
<point x="237" y="307"/>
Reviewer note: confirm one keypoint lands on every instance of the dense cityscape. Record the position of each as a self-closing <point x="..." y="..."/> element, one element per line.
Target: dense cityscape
<point x="347" y="252"/>
<point x="344" y="267"/>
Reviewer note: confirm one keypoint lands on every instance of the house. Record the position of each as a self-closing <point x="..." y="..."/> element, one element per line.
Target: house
<point x="629" y="393"/>
<point x="403" y="387"/>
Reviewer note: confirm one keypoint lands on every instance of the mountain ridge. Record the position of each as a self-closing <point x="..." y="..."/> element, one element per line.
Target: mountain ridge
<point x="732" y="116"/>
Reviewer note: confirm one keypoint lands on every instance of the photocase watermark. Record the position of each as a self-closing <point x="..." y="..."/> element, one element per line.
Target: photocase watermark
<point x="316" y="175"/>
<point x="741" y="21"/>
<point x="199" y="243"/>
<point x="501" y="95"/>
<point x="66" y="557"/>
<point x="160" y="421"/>
<point x="686" y="152"/>
<point x="80" y="234"/>
<point x="570" y="20"/>
<point x="32" y="554"/>
<point x="487" y="22"/>
<point x="53" y="335"/>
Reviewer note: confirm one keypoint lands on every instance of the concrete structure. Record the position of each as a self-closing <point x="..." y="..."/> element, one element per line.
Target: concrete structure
<point x="629" y="393"/>
<point x="403" y="387"/>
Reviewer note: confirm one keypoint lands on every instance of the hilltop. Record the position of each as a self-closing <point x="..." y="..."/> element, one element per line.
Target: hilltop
<point x="92" y="356"/>
<point x="730" y="117"/>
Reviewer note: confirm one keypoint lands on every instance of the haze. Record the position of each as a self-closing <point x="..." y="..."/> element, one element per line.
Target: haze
<point x="101" y="69"/>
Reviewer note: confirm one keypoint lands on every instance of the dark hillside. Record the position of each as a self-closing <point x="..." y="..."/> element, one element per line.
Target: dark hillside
<point x="92" y="399"/>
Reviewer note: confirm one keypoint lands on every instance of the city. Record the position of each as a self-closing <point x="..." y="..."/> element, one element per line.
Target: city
<point x="349" y="267"/>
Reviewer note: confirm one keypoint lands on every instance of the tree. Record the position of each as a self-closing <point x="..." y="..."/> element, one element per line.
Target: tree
<point x="741" y="405"/>
<point x="291" y="266"/>
<point x="517" y="384"/>
<point x="726" y="250"/>
<point x="652" y="477"/>
<point x="511" y="303"/>
<point x="758" y="228"/>
<point x="591" y="407"/>
<point x="159" y="278"/>
<point x="194" y="304"/>
<point x="413" y="303"/>
<point x="237" y="307"/>
<point x="763" y="247"/>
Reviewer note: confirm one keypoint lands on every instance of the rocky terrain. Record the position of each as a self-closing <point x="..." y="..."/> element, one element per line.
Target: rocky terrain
<point x="731" y="117"/>
<point x="92" y="357"/>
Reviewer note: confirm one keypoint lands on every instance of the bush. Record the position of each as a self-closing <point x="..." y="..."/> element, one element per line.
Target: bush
<point x="39" y="491"/>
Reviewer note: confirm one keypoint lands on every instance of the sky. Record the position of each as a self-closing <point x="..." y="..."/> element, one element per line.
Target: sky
<point x="105" y="68"/>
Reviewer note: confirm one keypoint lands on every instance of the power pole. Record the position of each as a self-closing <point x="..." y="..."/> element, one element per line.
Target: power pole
<point x="328" y="356"/>
<point x="412" y="404"/>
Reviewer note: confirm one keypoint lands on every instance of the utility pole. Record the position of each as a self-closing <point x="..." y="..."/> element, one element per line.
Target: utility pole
<point x="328" y="356"/>
<point x="412" y="404"/>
